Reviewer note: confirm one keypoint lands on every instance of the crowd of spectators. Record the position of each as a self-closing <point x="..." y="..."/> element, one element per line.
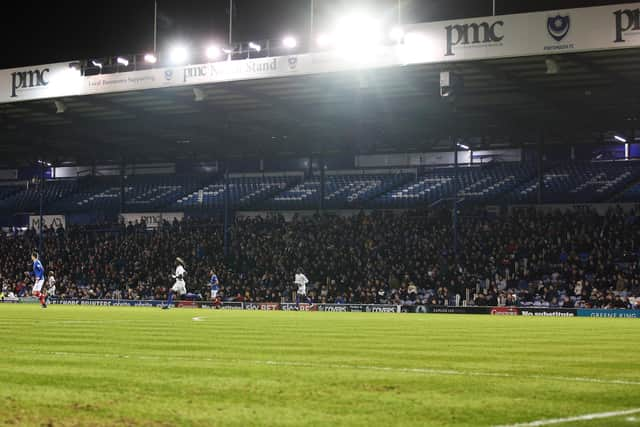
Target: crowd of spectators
<point x="525" y="258"/>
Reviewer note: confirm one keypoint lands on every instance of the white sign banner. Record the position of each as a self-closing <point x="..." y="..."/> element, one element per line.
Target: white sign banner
<point x="39" y="82"/>
<point x="153" y="220"/>
<point x="55" y="221"/>
<point x="540" y="33"/>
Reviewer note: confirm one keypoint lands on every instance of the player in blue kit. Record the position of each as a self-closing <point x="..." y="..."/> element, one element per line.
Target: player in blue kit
<point x="215" y="288"/>
<point x="38" y="279"/>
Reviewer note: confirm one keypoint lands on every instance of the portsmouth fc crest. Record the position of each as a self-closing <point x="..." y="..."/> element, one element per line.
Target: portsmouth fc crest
<point x="558" y="26"/>
<point x="293" y="62"/>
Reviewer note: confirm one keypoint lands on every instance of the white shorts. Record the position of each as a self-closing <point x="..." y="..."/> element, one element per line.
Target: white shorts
<point x="214" y="294"/>
<point x="38" y="285"/>
<point x="179" y="288"/>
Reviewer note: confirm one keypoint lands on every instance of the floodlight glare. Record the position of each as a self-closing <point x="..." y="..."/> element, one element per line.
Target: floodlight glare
<point x="620" y="139"/>
<point x="396" y="34"/>
<point x="255" y="46"/>
<point x="464" y="147"/>
<point x="289" y="42"/>
<point x="178" y="54"/>
<point x="323" y="40"/>
<point x="213" y="52"/>
<point x="357" y="30"/>
<point x="150" y="58"/>
<point x="96" y="64"/>
<point x="122" y="61"/>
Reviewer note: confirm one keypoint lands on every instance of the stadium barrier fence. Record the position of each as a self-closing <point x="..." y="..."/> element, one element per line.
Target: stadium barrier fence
<point x="366" y="308"/>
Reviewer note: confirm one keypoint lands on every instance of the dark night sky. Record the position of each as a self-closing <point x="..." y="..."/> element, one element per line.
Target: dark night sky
<point x="64" y="30"/>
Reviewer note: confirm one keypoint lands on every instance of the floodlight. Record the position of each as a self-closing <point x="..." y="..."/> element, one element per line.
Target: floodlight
<point x="213" y="52"/>
<point x="396" y="34"/>
<point x="357" y="30"/>
<point x="464" y="147"/>
<point x="289" y="42"/>
<point x="255" y="46"/>
<point x="620" y="139"/>
<point x="323" y="40"/>
<point x="96" y="64"/>
<point x="122" y="61"/>
<point x="150" y="58"/>
<point x="178" y="54"/>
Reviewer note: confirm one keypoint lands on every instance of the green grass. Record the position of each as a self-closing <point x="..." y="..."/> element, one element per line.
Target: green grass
<point x="142" y="366"/>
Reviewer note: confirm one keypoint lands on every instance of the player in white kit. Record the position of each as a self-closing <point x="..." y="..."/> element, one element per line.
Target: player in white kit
<point x="179" y="287"/>
<point x="301" y="281"/>
<point x="51" y="286"/>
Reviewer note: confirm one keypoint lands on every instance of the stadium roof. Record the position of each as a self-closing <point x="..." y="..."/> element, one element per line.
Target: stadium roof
<point x="501" y="102"/>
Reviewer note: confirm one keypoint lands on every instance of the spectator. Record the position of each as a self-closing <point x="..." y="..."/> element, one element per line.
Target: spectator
<point x="572" y="259"/>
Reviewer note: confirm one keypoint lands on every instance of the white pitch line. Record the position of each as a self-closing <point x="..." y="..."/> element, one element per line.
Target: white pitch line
<point x="431" y="371"/>
<point x="423" y="371"/>
<point x="198" y="319"/>
<point x="587" y="417"/>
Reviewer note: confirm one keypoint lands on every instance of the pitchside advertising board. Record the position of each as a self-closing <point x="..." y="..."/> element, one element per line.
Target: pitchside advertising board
<point x="354" y="308"/>
<point x="48" y="221"/>
<point x="540" y="33"/>
<point x="152" y="219"/>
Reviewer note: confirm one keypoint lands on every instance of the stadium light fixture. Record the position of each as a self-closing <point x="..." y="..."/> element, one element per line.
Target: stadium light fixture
<point x="122" y="61"/>
<point x="620" y="139"/>
<point x="357" y="30"/>
<point x="463" y="146"/>
<point x="198" y="94"/>
<point x="552" y="66"/>
<point x="289" y="42"/>
<point x="178" y="54"/>
<point x="396" y="34"/>
<point x="96" y="64"/>
<point x="255" y="46"/>
<point x="60" y="106"/>
<point x="150" y="58"/>
<point x="323" y="40"/>
<point x="213" y="52"/>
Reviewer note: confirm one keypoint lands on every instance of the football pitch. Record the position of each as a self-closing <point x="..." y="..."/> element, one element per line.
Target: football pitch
<point x="72" y="365"/>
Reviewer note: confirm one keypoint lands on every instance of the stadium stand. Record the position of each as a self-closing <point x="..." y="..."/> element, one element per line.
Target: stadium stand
<point x="28" y="199"/>
<point x="10" y="190"/>
<point x="579" y="182"/>
<point x="244" y="191"/>
<point x="630" y="195"/>
<point x="493" y="183"/>
<point x="476" y="184"/>
<point x="141" y="193"/>
<point x="591" y="261"/>
<point x="343" y="190"/>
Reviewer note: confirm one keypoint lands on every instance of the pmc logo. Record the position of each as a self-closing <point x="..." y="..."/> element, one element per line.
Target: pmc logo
<point x="472" y="34"/>
<point x="28" y="79"/>
<point x="626" y="20"/>
<point x="558" y="27"/>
